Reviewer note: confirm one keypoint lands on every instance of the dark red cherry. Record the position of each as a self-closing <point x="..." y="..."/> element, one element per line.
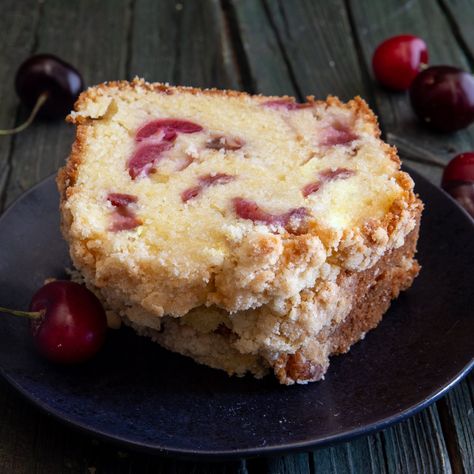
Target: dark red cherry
<point x="458" y="180"/>
<point x="443" y="98"/>
<point x="68" y="323"/>
<point x="398" y="60"/>
<point x="45" y="73"/>
<point x="72" y="324"/>
<point x="460" y="168"/>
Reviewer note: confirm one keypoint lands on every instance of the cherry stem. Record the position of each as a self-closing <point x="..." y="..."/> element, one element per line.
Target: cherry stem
<point x="39" y="103"/>
<point x="24" y="314"/>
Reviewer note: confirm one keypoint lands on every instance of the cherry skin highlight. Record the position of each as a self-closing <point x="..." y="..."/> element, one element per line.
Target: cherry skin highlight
<point x="398" y="60"/>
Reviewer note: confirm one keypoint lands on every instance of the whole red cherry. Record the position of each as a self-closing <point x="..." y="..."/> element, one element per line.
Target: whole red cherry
<point x="46" y="74"/>
<point x="443" y="98"/>
<point x="458" y="180"/>
<point x="398" y="60"/>
<point x="73" y="324"/>
<point x="68" y="323"/>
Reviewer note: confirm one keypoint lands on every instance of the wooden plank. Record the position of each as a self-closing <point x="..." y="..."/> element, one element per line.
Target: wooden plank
<point x="461" y="15"/>
<point x="105" y="458"/>
<point x="272" y="39"/>
<point x="17" y="432"/>
<point x="269" y="72"/>
<point x="184" y="467"/>
<point x="290" y="464"/>
<point x="185" y="43"/>
<point x="457" y="417"/>
<point x="376" y="21"/>
<point x="75" y="35"/>
<point x="417" y="445"/>
<point x="364" y="455"/>
<point x="18" y="25"/>
<point x="159" y="37"/>
<point x="319" y="47"/>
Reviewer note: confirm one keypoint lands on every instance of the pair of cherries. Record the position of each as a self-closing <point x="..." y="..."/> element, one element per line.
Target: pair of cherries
<point x="441" y="96"/>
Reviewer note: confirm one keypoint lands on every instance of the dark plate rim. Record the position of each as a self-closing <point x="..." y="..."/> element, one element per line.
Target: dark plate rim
<point x="215" y="455"/>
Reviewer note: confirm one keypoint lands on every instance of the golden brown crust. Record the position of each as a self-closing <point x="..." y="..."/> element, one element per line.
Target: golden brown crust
<point x="67" y="176"/>
<point x="370" y="306"/>
<point x="216" y="343"/>
<point x="372" y="293"/>
<point x="357" y="105"/>
<point x="297" y="368"/>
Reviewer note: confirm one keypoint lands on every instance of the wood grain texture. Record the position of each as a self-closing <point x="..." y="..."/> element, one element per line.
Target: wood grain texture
<point x="376" y="21"/>
<point x="319" y="46"/>
<point x="461" y="15"/>
<point x="17" y="432"/>
<point x="364" y="455"/>
<point x="96" y="44"/>
<point x="185" y="43"/>
<point x="292" y="464"/>
<point x="18" y="25"/>
<point x="269" y="72"/>
<point x="417" y="445"/>
<point x="457" y="417"/>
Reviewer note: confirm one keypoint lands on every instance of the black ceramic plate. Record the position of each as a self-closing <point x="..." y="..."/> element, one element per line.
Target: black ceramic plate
<point x="136" y="393"/>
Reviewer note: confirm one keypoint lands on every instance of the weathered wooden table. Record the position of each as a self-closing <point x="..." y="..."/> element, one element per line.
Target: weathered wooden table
<point x="296" y="47"/>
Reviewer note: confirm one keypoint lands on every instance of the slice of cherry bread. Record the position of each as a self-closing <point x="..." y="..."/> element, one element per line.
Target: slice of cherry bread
<point x="266" y="223"/>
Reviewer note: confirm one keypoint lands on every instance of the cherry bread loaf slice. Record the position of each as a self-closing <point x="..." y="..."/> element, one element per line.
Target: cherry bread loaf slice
<point x="296" y="340"/>
<point x="177" y="199"/>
